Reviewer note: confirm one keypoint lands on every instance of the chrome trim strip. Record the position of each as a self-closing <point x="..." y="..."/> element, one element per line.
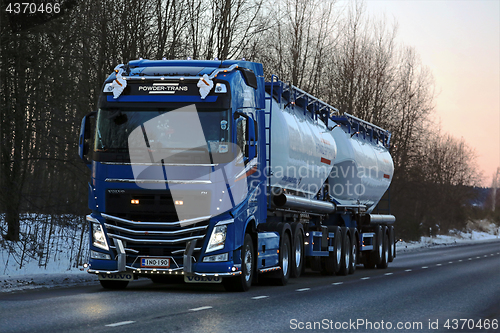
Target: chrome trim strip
<point x="157" y="233"/>
<point x="183" y="223"/>
<point x="161" y="164"/>
<point x="126" y="249"/>
<point x="182" y="251"/>
<point x="161" y="78"/>
<point x="156" y="181"/>
<point x="222" y="70"/>
<point x="155" y="241"/>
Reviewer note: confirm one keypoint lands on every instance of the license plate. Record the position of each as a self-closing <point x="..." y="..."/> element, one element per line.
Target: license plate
<point x="116" y="276"/>
<point x="191" y="278"/>
<point x="155" y="262"/>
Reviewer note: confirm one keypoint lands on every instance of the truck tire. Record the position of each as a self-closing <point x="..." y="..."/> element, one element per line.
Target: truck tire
<point x="114" y="285"/>
<point x="374" y="257"/>
<point x="346" y="252"/>
<point x="243" y="282"/>
<point x="284" y="260"/>
<point x="354" y="251"/>
<point x="331" y="265"/>
<point x="384" y="262"/>
<point x="392" y="244"/>
<point x="298" y="256"/>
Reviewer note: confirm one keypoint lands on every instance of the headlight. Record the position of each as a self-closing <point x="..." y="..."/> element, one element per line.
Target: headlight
<point x="98" y="236"/>
<point x="218" y="238"/>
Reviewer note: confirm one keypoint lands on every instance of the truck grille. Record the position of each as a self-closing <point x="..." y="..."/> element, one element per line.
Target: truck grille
<point x="152" y="227"/>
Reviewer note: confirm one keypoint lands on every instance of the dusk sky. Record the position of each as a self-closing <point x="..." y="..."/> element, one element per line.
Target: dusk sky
<point x="459" y="41"/>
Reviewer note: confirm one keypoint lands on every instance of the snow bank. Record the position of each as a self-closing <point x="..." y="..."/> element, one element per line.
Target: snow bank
<point x="478" y="231"/>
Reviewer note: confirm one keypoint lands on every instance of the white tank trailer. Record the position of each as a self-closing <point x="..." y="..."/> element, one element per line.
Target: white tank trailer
<point x="309" y="157"/>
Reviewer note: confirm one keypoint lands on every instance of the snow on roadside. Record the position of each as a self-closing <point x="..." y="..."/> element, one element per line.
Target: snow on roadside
<point x="484" y="231"/>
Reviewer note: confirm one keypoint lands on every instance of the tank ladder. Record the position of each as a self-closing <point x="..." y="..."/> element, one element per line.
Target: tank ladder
<point x="268" y="120"/>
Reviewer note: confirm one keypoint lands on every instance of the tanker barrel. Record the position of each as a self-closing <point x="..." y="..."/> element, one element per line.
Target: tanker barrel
<point x="291" y="201"/>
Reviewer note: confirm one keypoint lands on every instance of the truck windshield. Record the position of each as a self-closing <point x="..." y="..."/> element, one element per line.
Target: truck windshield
<point x="114" y="127"/>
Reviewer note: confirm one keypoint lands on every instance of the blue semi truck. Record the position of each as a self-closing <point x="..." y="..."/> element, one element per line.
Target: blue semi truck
<point x="201" y="170"/>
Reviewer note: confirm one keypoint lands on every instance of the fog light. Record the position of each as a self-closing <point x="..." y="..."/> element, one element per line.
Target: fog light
<point x="134" y="201"/>
<point x="179" y="202"/>
<point x="99" y="255"/>
<point x="216" y="258"/>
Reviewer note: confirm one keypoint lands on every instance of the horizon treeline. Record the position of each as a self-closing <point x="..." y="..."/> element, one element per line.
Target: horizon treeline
<point x="52" y="74"/>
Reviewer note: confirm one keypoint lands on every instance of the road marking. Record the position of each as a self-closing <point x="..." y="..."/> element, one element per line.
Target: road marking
<point x="303" y="289"/>
<point x="460" y="260"/>
<point x="424" y="267"/>
<point x="439" y="265"/>
<point x="365" y="278"/>
<point x="201" y="308"/>
<point x="120" y="323"/>
<point x="451" y="262"/>
<point x="337" y="283"/>
<point x="408" y="270"/>
<point x="492" y="254"/>
<point x="260" y="297"/>
<point x="478" y="257"/>
<point x="388" y="273"/>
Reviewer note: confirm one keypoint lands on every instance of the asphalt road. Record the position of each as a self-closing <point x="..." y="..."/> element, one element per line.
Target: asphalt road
<point x="420" y="292"/>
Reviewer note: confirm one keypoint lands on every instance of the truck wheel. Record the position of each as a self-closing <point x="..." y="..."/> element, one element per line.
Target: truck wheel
<point x="392" y="244"/>
<point x="346" y="253"/>
<point x="354" y="252"/>
<point x="115" y="285"/>
<point x="297" y="250"/>
<point x="374" y="257"/>
<point x="331" y="265"/>
<point x="385" y="251"/>
<point x="285" y="260"/>
<point x="243" y="282"/>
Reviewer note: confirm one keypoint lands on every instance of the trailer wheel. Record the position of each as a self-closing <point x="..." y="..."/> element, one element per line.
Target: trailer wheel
<point x="243" y="282"/>
<point x="285" y="260"/>
<point x="115" y="285"/>
<point x="374" y="257"/>
<point x="392" y="244"/>
<point x="331" y="265"/>
<point x="354" y="252"/>
<point x="297" y="250"/>
<point x="346" y="252"/>
<point x="385" y="251"/>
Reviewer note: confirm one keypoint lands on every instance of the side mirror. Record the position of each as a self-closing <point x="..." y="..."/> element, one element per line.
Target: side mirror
<point x="85" y="136"/>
